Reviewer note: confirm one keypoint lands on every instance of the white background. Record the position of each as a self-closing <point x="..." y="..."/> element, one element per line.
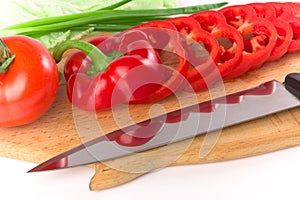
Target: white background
<point x="270" y="176"/>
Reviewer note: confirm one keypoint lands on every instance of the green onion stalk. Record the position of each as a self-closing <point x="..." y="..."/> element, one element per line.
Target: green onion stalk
<point x="107" y="19"/>
<point x="104" y="18"/>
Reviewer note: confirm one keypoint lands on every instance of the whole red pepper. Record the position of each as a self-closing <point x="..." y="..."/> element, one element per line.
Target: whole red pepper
<point x="78" y="61"/>
<point x="283" y="28"/>
<point x="259" y="37"/>
<point x="107" y="80"/>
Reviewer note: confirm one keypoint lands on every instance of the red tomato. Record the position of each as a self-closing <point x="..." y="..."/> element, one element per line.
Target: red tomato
<point x="29" y="86"/>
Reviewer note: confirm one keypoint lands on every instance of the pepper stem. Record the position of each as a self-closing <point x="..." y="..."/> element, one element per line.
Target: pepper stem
<point x="6" y="57"/>
<point x="100" y="60"/>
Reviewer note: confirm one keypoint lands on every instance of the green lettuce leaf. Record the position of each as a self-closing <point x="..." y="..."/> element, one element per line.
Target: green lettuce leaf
<point x="15" y="11"/>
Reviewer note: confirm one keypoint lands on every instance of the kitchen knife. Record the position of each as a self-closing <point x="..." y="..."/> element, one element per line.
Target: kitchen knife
<point x="268" y="98"/>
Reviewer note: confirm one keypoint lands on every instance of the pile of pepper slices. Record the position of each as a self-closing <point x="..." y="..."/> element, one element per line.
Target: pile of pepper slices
<point x="227" y="43"/>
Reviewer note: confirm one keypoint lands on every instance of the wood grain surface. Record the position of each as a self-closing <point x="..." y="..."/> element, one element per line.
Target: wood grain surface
<point x="57" y="131"/>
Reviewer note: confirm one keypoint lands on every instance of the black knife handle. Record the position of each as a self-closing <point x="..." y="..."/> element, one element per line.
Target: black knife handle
<point x="292" y="84"/>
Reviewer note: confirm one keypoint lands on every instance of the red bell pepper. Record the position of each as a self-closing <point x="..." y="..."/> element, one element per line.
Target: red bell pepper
<point x="229" y="39"/>
<point x="259" y="37"/>
<point x="104" y="81"/>
<point x="164" y="37"/>
<point x="202" y="50"/>
<point x="290" y="12"/>
<point x="79" y="61"/>
<point x="283" y="28"/>
<point x="230" y="42"/>
<point x="296" y="8"/>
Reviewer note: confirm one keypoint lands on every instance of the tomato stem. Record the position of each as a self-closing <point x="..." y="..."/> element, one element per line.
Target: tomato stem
<point x="6" y="58"/>
<point x="100" y="60"/>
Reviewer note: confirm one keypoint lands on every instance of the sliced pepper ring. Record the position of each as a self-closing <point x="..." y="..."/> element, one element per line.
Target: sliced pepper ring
<point x="259" y="37"/>
<point x="202" y="48"/>
<point x="283" y="28"/>
<point x="289" y="12"/>
<point x="230" y="41"/>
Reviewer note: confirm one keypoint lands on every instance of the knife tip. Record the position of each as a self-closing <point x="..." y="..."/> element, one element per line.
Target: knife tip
<point x="33" y="170"/>
<point x="50" y="165"/>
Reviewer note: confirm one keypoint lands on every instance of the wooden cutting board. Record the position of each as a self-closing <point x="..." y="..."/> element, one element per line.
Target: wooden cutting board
<point x="56" y="132"/>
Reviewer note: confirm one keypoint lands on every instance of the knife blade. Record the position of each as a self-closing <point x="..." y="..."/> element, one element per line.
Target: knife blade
<point x="268" y="98"/>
